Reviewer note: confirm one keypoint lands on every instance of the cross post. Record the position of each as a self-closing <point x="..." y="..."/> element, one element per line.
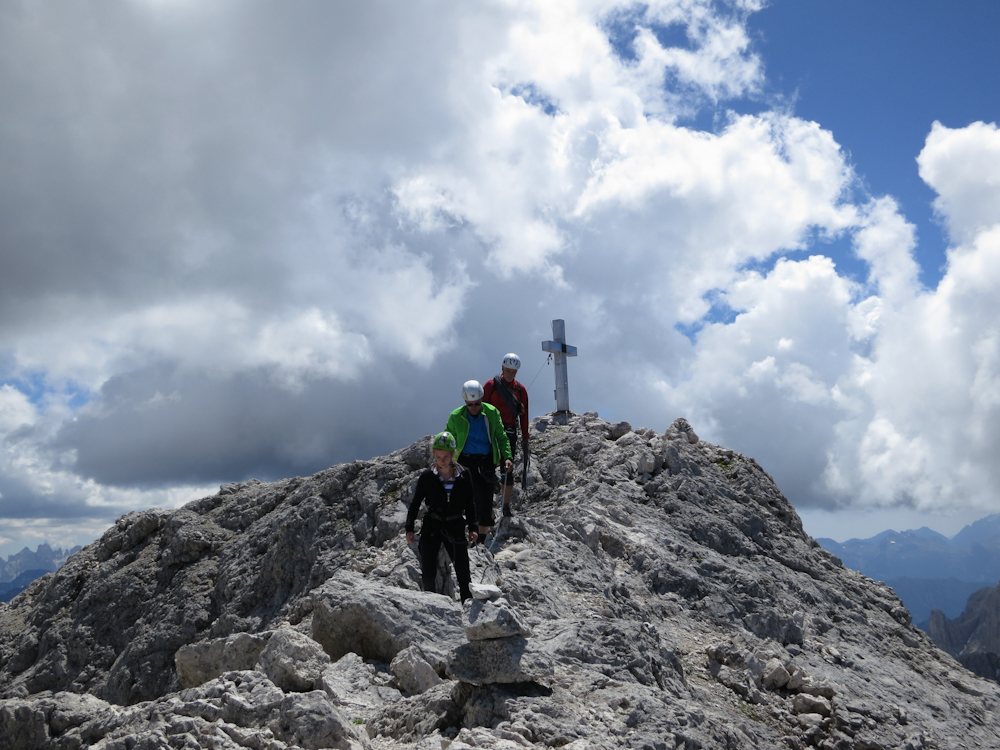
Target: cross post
<point x="559" y="350"/>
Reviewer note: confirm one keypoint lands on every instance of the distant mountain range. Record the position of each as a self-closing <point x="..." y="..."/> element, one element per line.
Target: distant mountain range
<point x="926" y="569"/>
<point x="23" y="567"/>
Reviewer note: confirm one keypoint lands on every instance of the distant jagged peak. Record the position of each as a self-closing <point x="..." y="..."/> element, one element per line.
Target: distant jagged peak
<point x="44" y="557"/>
<point x="984" y="530"/>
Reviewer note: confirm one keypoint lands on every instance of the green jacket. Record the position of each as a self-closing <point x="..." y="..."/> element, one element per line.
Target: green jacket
<point x="458" y="425"/>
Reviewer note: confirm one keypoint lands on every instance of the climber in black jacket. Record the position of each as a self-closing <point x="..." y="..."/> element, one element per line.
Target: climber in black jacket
<point x="446" y="488"/>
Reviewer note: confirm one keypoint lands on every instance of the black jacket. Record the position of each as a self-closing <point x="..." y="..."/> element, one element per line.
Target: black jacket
<point x="442" y="508"/>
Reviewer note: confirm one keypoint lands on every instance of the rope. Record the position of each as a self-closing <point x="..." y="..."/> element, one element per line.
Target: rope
<point x="492" y="563"/>
<point x="547" y="360"/>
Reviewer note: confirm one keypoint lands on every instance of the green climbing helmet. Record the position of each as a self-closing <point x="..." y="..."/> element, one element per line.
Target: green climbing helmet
<point x="444" y="441"/>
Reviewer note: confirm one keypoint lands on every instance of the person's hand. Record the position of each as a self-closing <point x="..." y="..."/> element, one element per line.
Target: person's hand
<point x="473" y="536"/>
<point x="508" y="465"/>
<point x="409" y="537"/>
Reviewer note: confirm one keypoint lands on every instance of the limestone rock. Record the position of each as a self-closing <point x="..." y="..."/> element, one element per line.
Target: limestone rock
<point x="501" y="660"/>
<point x="775" y="675"/>
<point x="413" y="672"/>
<point x="619" y="430"/>
<point x="357" y="686"/>
<point x="241" y="709"/>
<point x="485" y="591"/>
<point x="352" y="614"/>
<point x="682" y="429"/>
<point x="293" y="661"/>
<point x="198" y="663"/>
<point x="493" y="619"/>
<point x="674" y="601"/>
<point x="416" y="717"/>
<point x="804" y="703"/>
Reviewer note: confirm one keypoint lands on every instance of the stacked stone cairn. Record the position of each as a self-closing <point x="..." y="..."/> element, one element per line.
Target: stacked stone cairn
<point x="498" y="650"/>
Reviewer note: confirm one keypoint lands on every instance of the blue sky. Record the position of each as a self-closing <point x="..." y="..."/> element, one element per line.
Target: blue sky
<point x="250" y="239"/>
<point x="877" y="74"/>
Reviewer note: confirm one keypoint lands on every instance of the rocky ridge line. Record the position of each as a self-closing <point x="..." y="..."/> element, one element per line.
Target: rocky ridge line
<point x="653" y="591"/>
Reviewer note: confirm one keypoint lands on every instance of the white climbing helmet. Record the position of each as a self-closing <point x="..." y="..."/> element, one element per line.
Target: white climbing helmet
<point x="472" y="391"/>
<point x="511" y="361"/>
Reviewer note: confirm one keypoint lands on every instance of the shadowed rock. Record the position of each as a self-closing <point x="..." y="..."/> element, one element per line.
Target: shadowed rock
<point x="499" y="660"/>
<point x="974" y="637"/>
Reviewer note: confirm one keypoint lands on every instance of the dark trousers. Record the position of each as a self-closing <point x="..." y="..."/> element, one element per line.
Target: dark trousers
<point x="484" y="480"/>
<point x="508" y="478"/>
<point x="452" y="537"/>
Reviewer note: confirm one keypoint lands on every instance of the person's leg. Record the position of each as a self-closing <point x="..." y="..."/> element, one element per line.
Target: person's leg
<point x="508" y="483"/>
<point x="508" y="488"/>
<point x="430" y="543"/>
<point x="484" y="511"/>
<point x="459" y="554"/>
<point x="482" y="488"/>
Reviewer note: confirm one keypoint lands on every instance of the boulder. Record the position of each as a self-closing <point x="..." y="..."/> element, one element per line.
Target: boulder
<point x="353" y="613"/>
<point x="293" y="661"/>
<point x="775" y="675"/>
<point x="355" y="685"/>
<point x="803" y="703"/>
<point x="413" y="672"/>
<point x="501" y="660"/>
<point x="493" y="619"/>
<point x="197" y="663"/>
<point x="485" y="591"/>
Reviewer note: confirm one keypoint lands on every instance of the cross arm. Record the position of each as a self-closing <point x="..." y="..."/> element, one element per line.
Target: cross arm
<point x="558" y="347"/>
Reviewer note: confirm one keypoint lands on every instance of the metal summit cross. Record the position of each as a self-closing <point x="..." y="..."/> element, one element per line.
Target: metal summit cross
<point x="560" y="350"/>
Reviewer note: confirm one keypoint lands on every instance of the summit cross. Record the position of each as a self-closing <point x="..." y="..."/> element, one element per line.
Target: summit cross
<point x="559" y="349"/>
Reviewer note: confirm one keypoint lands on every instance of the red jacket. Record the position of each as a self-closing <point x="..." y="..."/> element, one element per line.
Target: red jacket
<point x="492" y="395"/>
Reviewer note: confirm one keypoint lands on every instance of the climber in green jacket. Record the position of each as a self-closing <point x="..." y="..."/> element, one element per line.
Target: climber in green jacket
<point x="481" y="446"/>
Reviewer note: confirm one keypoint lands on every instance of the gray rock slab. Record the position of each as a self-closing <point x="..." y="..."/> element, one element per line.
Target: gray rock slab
<point x="485" y="591"/>
<point x="413" y="672"/>
<point x="502" y="660"/>
<point x="356" y="685"/>
<point x="775" y="675"/>
<point x="414" y="718"/>
<point x="197" y="663"/>
<point x="493" y="619"/>
<point x="238" y="709"/>
<point x="293" y="661"/>
<point x="316" y="723"/>
<point x="353" y="613"/>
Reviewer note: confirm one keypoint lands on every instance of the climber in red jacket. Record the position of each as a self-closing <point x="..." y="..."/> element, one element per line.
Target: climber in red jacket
<point x="511" y="397"/>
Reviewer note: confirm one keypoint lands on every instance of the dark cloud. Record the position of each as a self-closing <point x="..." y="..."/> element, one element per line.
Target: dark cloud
<point x="153" y="151"/>
<point x="20" y="501"/>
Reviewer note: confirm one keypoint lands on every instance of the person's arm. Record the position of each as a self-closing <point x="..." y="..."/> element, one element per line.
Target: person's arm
<point x="524" y="416"/>
<point x="411" y="515"/>
<point x="501" y="437"/>
<point x="469" y="505"/>
<point x="452" y="426"/>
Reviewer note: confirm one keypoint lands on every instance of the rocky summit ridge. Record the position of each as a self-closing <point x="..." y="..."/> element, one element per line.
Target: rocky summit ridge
<point x="652" y="591"/>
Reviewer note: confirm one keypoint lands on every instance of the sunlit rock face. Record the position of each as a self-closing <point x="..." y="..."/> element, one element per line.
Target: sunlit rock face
<point x="652" y="590"/>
